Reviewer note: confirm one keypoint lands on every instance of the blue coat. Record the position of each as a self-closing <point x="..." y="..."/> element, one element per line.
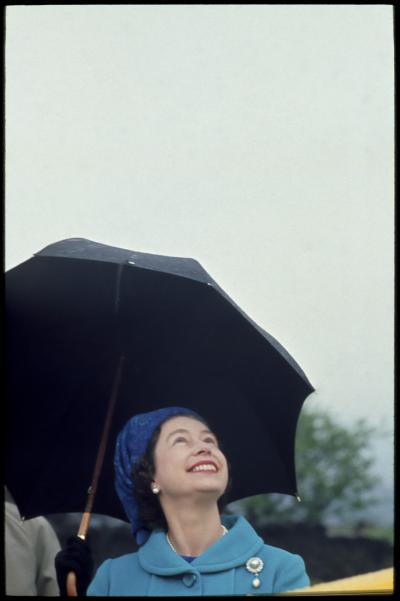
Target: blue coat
<point x="155" y="569"/>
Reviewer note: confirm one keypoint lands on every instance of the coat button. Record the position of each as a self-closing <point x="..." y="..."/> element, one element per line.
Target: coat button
<point x="189" y="579"/>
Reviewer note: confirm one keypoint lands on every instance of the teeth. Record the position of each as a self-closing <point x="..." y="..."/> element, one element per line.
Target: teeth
<point x="204" y="468"/>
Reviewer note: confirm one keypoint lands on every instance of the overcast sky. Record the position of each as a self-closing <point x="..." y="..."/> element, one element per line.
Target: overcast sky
<point x="256" y="139"/>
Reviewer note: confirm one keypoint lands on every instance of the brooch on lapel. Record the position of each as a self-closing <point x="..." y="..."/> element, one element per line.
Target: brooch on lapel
<point x="255" y="565"/>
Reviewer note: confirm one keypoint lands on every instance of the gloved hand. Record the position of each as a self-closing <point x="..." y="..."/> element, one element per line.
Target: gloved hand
<point x="75" y="557"/>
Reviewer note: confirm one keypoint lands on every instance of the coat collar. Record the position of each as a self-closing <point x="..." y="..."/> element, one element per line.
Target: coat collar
<point x="234" y="549"/>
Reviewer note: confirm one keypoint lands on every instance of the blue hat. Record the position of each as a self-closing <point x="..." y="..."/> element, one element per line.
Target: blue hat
<point x="132" y="442"/>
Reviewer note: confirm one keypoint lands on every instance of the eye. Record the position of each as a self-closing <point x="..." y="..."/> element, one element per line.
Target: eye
<point x="180" y="439"/>
<point x="210" y="439"/>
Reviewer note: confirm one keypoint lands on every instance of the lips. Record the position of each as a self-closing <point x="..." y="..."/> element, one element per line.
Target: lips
<point x="204" y="466"/>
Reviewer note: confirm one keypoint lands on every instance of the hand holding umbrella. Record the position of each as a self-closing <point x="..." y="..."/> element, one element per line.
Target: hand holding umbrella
<point x="74" y="567"/>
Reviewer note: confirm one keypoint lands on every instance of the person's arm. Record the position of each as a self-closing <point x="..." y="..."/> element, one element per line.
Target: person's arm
<point x="45" y="549"/>
<point x="30" y="547"/>
<point x="291" y="575"/>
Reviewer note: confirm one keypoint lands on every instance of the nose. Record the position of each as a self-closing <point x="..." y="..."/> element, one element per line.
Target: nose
<point x="202" y="449"/>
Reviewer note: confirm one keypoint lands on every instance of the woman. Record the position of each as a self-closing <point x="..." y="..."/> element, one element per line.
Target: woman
<point x="171" y="476"/>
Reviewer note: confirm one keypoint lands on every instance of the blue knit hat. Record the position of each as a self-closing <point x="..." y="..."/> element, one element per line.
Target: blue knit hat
<point x="132" y="442"/>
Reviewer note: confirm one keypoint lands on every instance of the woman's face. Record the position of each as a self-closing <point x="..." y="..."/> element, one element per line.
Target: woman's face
<point x="188" y="460"/>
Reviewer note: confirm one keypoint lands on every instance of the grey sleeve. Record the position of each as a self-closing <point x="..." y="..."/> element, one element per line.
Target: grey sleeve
<point x="30" y="548"/>
<point x="46" y="547"/>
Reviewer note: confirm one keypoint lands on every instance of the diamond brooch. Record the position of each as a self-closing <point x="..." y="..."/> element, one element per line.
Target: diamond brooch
<point x="255" y="565"/>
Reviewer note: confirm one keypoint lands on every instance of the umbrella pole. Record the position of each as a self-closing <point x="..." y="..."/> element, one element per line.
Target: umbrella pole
<point x="84" y="525"/>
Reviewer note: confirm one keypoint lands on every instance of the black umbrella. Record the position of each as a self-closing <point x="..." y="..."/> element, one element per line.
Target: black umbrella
<point x="87" y="322"/>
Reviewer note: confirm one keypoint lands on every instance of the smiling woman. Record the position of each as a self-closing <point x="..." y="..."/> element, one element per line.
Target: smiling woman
<point x="171" y="477"/>
<point x="172" y="443"/>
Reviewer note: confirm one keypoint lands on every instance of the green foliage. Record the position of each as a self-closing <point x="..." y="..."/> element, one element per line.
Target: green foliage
<point x="333" y="473"/>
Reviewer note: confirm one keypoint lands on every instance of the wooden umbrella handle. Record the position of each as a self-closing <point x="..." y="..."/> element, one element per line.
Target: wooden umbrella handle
<point x="84" y="525"/>
<point x="71" y="578"/>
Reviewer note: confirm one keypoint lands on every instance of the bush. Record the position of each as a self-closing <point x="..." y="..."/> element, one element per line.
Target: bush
<point x="333" y="471"/>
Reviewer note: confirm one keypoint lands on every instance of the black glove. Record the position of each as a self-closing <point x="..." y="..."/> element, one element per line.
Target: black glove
<point x="75" y="557"/>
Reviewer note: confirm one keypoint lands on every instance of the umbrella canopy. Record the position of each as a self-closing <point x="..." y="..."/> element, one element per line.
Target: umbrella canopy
<point x="73" y="310"/>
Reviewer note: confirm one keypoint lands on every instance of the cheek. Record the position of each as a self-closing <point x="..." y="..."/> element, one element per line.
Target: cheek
<point x="225" y="464"/>
<point x="166" y="468"/>
<point x="159" y="467"/>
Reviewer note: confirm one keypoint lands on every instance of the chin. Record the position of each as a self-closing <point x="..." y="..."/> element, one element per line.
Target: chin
<point x="217" y="492"/>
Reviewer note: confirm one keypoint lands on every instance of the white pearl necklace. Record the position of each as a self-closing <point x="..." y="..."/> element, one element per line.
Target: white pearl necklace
<point x="224" y="531"/>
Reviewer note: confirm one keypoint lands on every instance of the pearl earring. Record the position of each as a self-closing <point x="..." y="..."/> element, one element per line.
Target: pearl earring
<point x="155" y="490"/>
